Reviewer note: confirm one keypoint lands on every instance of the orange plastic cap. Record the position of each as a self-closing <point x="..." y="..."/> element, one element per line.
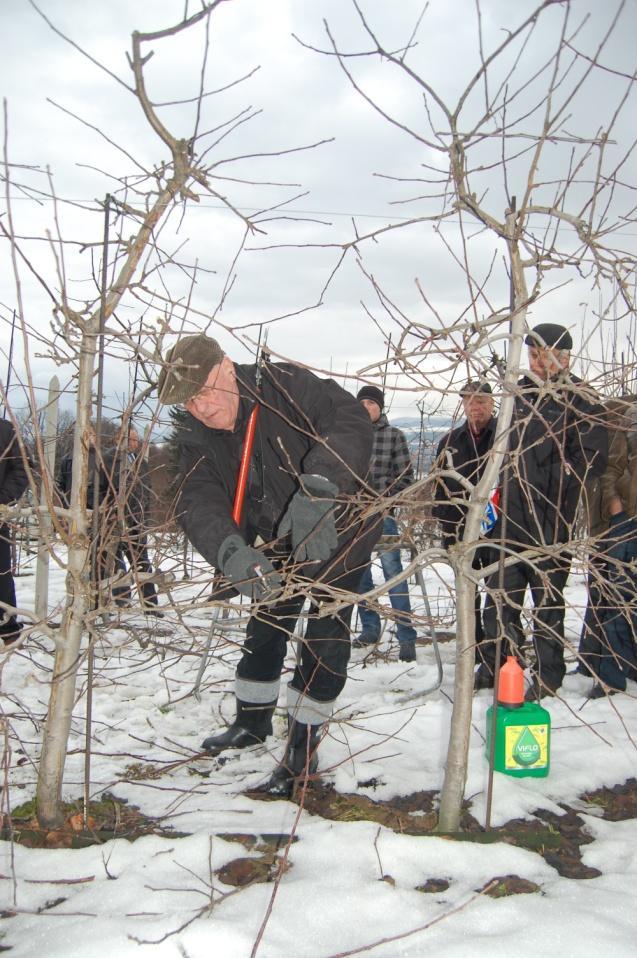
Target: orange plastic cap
<point x="511" y="683"/>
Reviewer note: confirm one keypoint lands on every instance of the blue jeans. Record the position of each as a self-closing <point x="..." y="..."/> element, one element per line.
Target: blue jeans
<point x="398" y="594"/>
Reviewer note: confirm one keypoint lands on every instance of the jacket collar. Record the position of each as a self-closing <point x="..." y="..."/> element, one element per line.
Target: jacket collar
<point x="488" y="429"/>
<point x="563" y="378"/>
<point x="246" y="381"/>
<point x="381" y="422"/>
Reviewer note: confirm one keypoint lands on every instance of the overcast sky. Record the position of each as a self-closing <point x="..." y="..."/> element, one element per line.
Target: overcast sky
<point x="301" y="97"/>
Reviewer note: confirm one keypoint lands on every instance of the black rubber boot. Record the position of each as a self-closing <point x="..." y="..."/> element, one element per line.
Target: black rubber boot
<point x="252" y="725"/>
<point x="483" y="678"/>
<point x="300" y="759"/>
<point x="407" y="651"/>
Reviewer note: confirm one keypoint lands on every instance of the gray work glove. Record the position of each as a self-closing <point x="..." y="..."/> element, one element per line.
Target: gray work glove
<point x="250" y="572"/>
<point x="309" y="520"/>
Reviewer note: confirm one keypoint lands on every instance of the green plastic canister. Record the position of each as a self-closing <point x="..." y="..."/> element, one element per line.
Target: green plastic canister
<point x="522" y="729"/>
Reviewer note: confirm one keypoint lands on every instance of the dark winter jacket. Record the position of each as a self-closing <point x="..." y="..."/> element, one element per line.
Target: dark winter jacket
<point x="391" y="467"/>
<point x="620" y="476"/>
<point x="128" y="487"/>
<point x="13" y="476"/>
<point x="468" y="457"/>
<point x="558" y="442"/>
<point x="66" y="476"/>
<point x="305" y="425"/>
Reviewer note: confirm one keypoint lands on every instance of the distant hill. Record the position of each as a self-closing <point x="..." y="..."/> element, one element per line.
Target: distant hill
<point x="433" y="429"/>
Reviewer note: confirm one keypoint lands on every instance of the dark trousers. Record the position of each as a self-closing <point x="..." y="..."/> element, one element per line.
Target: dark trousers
<point x="592" y="643"/>
<point x="479" y="624"/>
<point x="607" y="647"/>
<point x="620" y="659"/>
<point x="134" y="551"/>
<point x="546" y="581"/>
<point x="325" y="650"/>
<point x="10" y="628"/>
<point x="321" y="670"/>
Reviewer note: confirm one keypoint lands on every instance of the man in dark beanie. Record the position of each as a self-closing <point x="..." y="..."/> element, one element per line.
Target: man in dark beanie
<point x="372" y="394"/>
<point x="302" y="531"/>
<point x="557" y="443"/>
<point x="549" y="336"/>
<point x="391" y="473"/>
<point x="460" y="458"/>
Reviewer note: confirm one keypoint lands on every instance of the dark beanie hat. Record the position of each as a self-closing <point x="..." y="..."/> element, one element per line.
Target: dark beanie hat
<point x="475" y="386"/>
<point x="186" y="368"/>
<point x="549" y="334"/>
<point x="372" y="393"/>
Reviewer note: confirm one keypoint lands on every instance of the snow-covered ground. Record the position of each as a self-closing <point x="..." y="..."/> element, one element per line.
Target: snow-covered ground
<point x="350" y="886"/>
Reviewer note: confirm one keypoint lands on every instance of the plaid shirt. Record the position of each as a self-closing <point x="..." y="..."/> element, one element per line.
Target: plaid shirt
<point x="391" y="468"/>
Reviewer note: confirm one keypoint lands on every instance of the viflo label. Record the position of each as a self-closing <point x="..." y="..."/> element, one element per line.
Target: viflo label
<point x="526" y="746"/>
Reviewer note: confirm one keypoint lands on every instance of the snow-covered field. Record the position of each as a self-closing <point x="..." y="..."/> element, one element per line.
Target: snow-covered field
<point x="127" y="898"/>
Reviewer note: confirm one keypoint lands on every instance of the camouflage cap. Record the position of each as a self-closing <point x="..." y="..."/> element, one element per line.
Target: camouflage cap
<point x="187" y="366"/>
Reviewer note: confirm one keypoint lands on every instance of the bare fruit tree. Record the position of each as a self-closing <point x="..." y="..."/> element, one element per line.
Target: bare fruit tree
<point x="131" y="270"/>
<point x="527" y="193"/>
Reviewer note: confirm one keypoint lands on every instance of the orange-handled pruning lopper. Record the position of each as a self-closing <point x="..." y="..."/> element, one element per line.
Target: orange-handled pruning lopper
<point x="244" y="465"/>
<point x="248" y="442"/>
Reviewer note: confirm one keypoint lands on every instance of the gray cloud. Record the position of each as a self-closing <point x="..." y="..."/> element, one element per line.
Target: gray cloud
<point x="304" y="98"/>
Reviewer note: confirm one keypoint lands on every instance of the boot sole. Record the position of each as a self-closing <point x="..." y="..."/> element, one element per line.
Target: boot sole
<point x="215" y="750"/>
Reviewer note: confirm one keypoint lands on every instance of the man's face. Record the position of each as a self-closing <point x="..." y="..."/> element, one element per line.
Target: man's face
<point x="133" y="440"/>
<point x="372" y="408"/>
<point x="217" y="403"/>
<point x="478" y="408"/>
<point x="545" y="362"/>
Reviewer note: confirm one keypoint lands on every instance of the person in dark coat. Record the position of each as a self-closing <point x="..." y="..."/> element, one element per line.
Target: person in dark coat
<point x="617" y="487"/>
<point x="304" y="529"/>
<point x="557" y="442"/>
<point x="464" y="450"/>
<point x="13" y="483"/>
<point x="128" y="507"/>
<point x="123" y="496"/>
<point x="65" y="476"/>
<point x="617" y="660"/>
<point x="608" y="649"/>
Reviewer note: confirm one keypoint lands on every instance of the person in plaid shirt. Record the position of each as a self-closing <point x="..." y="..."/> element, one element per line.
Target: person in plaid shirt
<point x="391" y="471"/>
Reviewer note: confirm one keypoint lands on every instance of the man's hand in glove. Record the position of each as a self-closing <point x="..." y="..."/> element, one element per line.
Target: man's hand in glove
<point x="309" y="520"/>
<point x="249" y="570"/>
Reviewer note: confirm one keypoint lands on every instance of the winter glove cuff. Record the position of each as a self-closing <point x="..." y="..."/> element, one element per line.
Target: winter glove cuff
<point x="228" y="548"/>
<point x="309" y="520"/>
<point x="248" y="570"/>
<point x="318" y="486"/>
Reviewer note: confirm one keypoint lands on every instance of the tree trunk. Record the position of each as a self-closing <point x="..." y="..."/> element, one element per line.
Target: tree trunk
<point x="67" y="653"/>
<point x="452" y="793"/>
<point x="46" y="492"/>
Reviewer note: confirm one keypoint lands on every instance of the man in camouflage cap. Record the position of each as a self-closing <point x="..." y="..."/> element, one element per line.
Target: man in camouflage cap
<point x="303" y="531"/>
